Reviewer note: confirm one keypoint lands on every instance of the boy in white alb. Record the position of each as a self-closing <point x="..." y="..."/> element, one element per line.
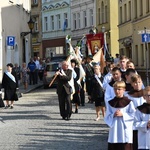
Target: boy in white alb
<point x="119" y="117"/>
<point x="136" y="96"/>
<point x="142" y="122"/>
<point x="109" y="91"/>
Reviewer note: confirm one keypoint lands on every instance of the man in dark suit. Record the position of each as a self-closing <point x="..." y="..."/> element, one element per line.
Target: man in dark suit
<point x="64" y="91"/>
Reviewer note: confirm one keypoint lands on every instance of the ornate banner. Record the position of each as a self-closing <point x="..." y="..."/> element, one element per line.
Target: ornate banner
<point x="96" y="41"/>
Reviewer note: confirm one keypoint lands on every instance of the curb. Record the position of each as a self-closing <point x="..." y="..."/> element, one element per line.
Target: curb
<point x="31" y="89"/>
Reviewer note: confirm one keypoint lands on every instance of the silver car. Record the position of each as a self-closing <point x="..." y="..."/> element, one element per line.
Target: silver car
<point x="49" y="73"/>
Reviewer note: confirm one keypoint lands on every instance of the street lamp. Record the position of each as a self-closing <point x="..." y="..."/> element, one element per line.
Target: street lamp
<point x="30" y="25"/>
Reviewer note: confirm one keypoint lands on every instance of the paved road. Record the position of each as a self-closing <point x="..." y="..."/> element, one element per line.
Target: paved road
<point x="35" y="124"/>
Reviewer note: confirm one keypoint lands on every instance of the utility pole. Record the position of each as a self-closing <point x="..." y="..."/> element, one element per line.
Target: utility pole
<point x="146" y="57"/>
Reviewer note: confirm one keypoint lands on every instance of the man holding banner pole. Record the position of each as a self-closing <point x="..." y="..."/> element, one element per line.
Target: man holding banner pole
<point x="64" y="90"/>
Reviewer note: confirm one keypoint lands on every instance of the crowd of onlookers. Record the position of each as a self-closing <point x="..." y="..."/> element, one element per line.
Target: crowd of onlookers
<point x="31" y="72"/>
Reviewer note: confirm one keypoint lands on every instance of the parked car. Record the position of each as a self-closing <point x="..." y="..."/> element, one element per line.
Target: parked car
<point x="49" y="73"/>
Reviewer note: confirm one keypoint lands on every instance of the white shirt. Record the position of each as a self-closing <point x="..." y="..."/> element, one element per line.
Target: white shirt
<point x="37" y="64"/>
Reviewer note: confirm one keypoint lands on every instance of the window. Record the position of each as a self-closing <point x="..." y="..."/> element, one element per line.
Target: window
<point x="120" y="15"/>
<point x="141" y="7"/>
<point x="129" y="10"/>
<point x="58" y="22"/>
<point x="52" y="67"/>
<point x="36" y="24"/>
<point x="125" y="12"/>
<point x="136" y="55"/>
<point x="142" y="54"/>
<point x="99" y="16"/>
<point x="85" y="19"/>
<point x="103" y="17"/>
<point x="52" y="22"/>
<point x="35" y="1"/>
<point x="45" y="24"/>
<point x="135" y="9"/>
<point x="78" y="16"/>
<point x="59" y="50"/>
<point x="66" y="20"/>
<point x="147" y="6"/>
<point x="91" y="18"/>
<point x="106" y="15"/>
<point x="74" y="21"/>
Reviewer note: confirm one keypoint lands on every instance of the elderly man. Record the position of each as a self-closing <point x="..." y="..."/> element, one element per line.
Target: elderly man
<point x="64" y="91"/>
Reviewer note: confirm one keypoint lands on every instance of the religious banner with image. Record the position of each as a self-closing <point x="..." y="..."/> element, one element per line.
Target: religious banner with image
<point x="95" y="41"/>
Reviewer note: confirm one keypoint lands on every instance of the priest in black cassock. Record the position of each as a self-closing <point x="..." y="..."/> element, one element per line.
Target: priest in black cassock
<point x="9" y="83"/>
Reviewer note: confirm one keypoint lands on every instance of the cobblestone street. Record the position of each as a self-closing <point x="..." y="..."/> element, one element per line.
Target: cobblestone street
<point x="35" y="124"/>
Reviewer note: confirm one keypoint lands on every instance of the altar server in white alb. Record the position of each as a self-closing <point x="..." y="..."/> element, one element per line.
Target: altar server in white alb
<point x="136" y="96"/>
<point x="142" y="122"/>
<point x="109" y="92"/>
<point x="119" y="117"/>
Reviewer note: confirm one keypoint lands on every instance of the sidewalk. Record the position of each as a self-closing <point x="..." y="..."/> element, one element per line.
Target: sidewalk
<point x="30" y="87"/>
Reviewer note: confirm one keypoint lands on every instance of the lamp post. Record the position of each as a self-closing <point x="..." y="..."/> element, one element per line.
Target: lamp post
<point x="23" y="34"/>
<point x="30" y="25"/>
<point x="146" y="49"/>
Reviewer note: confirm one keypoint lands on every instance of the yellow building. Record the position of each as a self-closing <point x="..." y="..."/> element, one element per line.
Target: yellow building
<point x="134" y="20"/>
<point x="107" y="19"/>
<point x="37" y="31"/>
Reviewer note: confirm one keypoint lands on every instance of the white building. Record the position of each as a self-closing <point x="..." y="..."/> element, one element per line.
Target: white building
<point x="83" y="18"/>
<point x="55" y="26"/>
<point x="13" y="20"/>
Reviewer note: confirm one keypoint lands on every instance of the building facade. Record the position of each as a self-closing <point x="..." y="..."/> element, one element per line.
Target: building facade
<point x="134" y="20"/>
<point x="55" y="26"/>
<point x="83" y="19"/>
<point x="36" y="6"/>
<point x="107" y="21"/>
<point x="13" y="21"/>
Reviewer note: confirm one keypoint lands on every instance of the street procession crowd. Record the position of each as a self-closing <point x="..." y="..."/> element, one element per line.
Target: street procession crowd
<point x="117" y="91"/>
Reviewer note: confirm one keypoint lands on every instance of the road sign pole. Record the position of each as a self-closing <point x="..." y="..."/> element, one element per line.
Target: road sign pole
<point x="146" y="52"/>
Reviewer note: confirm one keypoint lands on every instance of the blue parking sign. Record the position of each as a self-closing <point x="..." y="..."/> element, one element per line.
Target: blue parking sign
<point x="10" y="40"/>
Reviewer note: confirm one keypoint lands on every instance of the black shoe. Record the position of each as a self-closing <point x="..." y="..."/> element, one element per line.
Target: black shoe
<point x="67" y="118"/>
<point x="63" y="118"/>
<point x="76" y="111"/>
<point x="11" y="107"/>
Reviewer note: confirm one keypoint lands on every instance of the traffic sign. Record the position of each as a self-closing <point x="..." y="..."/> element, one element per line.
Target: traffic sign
<point x="145" y="37"/>
<point x="144" y="31"/>
<point x="10" y="40"/>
